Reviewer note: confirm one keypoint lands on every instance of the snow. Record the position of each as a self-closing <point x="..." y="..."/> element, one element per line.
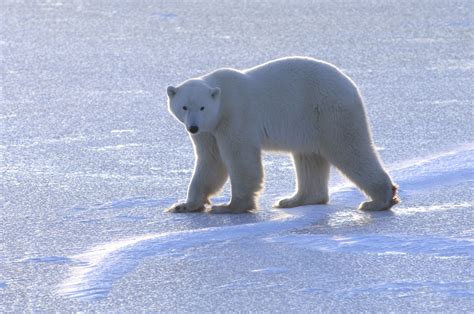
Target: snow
<point x="90" y="157"/>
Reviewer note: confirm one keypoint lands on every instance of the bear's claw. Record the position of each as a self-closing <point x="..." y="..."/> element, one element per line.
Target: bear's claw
<point x="185" y="208"/>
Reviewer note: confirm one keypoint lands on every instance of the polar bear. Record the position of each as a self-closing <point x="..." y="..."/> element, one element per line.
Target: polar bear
<point x="299" y="105"/>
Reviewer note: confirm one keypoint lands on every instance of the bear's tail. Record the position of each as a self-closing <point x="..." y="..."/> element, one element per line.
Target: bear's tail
<point x="395" y="199"/>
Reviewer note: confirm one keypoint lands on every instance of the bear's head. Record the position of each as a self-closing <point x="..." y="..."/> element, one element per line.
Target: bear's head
<point x="195" y="104"/>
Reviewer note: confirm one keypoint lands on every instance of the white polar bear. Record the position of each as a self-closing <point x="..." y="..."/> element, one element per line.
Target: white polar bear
<point x="299" y="105"/>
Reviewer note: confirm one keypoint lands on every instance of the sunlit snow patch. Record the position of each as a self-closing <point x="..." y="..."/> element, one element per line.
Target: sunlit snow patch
<point x="271" y="270"/>
<point x="413" y="210"/>
<point x="102" y="265"/>
<point x="381" y="244"/>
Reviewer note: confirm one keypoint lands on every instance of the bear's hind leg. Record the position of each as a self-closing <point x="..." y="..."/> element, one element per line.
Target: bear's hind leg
<point x="364" y="169"/>
<point x="312" y="175"/>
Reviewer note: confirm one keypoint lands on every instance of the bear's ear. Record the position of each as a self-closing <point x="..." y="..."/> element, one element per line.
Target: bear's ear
<point x="171" y="91"/>
<point x="215" y="92"/>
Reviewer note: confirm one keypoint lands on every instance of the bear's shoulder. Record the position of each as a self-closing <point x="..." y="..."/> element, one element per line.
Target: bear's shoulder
<point x="226" y="78"/>
<point x="223" y="74"/>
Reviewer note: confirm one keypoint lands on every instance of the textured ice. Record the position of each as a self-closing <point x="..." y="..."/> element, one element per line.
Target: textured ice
<point x="90" y="157"/>
<point x="97" y="269"/>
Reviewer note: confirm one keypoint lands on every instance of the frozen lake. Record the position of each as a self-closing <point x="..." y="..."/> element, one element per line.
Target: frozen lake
<point x="90" y="158"/>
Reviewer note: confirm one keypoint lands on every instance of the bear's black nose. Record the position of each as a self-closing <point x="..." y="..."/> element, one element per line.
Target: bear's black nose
<point x="193" y="129"/>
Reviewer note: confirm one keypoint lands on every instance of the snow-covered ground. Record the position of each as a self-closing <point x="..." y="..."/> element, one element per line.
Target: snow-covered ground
<point x="90" y="157"/>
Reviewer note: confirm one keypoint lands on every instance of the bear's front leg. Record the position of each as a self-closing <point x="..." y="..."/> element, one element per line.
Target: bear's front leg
<point x="244" y="166"/>
<point x="209" y="175"/>
<point x="198" y="196"/>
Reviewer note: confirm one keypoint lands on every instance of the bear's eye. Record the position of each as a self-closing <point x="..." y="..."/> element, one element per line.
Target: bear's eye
<point x="202" y="108"/>
<point x="185" y="108"/>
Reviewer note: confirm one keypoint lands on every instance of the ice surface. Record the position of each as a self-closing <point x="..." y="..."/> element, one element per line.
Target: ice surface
<point x="90" y="157"/>
<point x="97" y="269"/>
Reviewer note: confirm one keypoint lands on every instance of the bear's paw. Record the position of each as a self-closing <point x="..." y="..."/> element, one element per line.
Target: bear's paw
<point x="185" y="208"/>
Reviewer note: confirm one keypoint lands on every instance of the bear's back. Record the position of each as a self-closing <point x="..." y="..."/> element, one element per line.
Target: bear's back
<point x="291" y="67"/>
<point x="300" y="78"/>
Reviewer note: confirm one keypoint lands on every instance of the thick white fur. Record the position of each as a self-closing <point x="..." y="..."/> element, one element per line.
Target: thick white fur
<point x="299" y="105"/>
